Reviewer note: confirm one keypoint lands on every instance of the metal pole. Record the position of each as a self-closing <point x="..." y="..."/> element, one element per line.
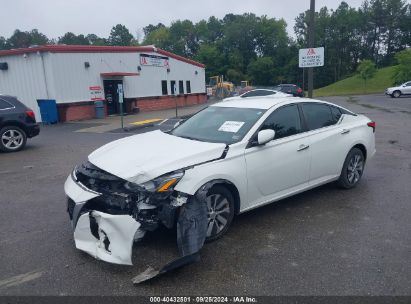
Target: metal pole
<point x="175" y="100"/>
<point x="121" y="102"/>
<point x="311" y="42"/>
<point x="303" y="81"/>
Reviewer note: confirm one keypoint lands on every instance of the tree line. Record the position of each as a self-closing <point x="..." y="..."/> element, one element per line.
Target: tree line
<point x="258" y="48"/>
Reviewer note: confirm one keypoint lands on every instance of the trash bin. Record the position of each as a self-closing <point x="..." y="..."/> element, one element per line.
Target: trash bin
<point x="48" y="110"/>
<point x="99" y="109"/>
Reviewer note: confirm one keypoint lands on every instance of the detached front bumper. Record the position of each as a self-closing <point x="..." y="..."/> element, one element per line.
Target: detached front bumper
<point x="104" y="236"/>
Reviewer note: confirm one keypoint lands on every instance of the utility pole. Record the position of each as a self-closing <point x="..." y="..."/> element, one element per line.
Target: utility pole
<point x="311" y="42"/>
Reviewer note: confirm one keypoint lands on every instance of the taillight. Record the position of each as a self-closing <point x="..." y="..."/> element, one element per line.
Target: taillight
<point x="30" y="114"/>
<point x="299" y="90"/>
<point x="372" y="125"/>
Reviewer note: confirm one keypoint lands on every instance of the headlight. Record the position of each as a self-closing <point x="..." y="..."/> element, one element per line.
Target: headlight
<point x="160" y="184"/>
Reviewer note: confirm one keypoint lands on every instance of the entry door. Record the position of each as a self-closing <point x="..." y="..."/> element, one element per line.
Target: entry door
<point x="111" y="96"/>
<point x="282" y="165"/>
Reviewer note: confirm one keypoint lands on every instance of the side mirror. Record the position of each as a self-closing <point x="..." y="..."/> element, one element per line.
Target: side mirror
<point x="264" y="136"/>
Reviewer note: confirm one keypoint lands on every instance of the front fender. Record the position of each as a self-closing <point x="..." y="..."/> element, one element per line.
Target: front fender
<point x="231" y="170"/>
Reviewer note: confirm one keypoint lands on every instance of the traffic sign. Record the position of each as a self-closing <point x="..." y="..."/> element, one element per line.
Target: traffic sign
<point x="312" y="57"/>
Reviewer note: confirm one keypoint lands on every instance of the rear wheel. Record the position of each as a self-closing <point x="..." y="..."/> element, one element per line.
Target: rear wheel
<point x="396" y="94"/>
<point x="352" y="170"/>
<point x="220" y="205"/>
<point x="12" y="139"/>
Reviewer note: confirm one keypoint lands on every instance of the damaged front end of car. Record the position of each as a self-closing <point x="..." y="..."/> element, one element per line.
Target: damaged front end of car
<point x="109" y="213"/>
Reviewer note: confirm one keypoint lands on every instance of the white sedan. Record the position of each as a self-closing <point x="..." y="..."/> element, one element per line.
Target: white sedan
<point x="258" y="93"/>
<point x="227" y="159"/>
<point x="395" y="92"/>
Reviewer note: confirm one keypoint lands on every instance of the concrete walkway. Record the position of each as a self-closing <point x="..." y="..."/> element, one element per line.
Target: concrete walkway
<point x="141" y="119"/>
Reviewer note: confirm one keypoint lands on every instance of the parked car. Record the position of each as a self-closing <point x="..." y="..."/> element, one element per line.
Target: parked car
<point x="293" y="89"/>
<point x="227" y="159"/>
<point x="259" y="93"/>
<point x="395" y="92"/>
<point x="17" y="123"/>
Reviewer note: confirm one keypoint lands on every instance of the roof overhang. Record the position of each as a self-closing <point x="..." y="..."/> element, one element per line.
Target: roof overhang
<point x="61" y="48"/>
<point x="118" y="74"/>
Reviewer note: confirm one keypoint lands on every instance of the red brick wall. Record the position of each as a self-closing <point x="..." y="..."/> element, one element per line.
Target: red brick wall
<point x="71" y="112"/>
<point x="86" y="110"/>
<point x="169" y="102"/>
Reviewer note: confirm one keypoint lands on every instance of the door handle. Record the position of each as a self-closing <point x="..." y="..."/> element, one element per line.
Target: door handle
<point x="345" y="131"/>
<point x="303" y="147"/>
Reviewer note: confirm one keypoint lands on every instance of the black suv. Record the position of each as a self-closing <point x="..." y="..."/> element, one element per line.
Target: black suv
<point x="17" y="123"/>
<point x="290" y="89"/>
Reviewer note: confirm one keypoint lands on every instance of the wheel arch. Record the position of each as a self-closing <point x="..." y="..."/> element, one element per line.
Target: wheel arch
<point x="396" y="90"/>
<point x="230" y="187"/>
<point x="13" y="123"/>
<point x="362" y="148"/>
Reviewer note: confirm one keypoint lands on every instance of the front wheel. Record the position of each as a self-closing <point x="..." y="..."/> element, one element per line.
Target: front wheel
<point x="12" y="139"/>
<point x="220" y="206"/>
<point x="352" y="170"/>
<point x="396" y="94"/>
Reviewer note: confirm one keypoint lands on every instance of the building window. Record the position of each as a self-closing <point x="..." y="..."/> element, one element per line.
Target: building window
<point x="164" y="87"/>
<point x="181" y="87"/>
<point x="173" y="87"/>
<point x="188" y="86"/>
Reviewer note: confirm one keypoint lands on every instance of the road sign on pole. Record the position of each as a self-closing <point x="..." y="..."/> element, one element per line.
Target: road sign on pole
<point x="311" y="44"/>
<point x="311" y="57"/>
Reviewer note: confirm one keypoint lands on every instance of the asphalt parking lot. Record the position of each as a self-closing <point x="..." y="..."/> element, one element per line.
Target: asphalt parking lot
<point x="326" y="241"/>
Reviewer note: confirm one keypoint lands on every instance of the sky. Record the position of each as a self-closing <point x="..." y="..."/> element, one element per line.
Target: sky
<point x="56" y="17"/>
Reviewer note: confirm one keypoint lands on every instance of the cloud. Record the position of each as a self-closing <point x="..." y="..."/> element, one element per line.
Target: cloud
<point x="56" y="17"/>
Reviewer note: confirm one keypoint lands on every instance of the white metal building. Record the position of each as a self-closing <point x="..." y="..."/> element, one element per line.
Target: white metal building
<point x="76" y="76"/>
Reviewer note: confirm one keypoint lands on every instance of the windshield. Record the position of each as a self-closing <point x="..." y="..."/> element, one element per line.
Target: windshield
<point x="219" y="124"/>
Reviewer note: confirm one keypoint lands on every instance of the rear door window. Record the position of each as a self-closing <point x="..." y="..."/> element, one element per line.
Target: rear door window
<point x="5" y="105"/>
<point x="317" y="115"/>
<point x="258" y="93"/>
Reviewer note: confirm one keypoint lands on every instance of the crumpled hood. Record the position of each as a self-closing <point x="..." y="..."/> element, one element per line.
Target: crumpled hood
<point x="142" y="157"/>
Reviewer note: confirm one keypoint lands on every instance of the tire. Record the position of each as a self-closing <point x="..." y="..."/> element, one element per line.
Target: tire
<point x="396" y="94"/>
<point x="220" y="205"/>
<point x="12" y="139"/>
<point x="352" y="170"/>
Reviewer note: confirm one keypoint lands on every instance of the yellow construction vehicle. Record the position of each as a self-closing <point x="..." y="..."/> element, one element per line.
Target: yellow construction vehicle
<point x="219" y="88"/>
<point x="245" y="83"/>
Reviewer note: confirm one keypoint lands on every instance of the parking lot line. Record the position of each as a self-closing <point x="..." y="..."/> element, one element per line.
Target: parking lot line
<point x="144" y="122"/>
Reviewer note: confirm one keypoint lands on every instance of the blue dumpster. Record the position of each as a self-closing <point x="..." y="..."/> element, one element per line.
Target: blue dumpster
<point x="48" y="110"/>
<point x="99" y="109"/>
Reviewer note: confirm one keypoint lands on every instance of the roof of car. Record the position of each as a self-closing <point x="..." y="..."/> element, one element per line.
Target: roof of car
<point x="262" y="102"/>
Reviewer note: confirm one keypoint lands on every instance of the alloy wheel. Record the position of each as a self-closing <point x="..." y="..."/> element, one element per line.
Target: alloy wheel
<point x="218" y="213"/>
<point x="12" y="139"/>
<point x="355" y="169"/>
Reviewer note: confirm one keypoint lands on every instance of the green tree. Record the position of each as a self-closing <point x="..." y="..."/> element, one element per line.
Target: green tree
<point x="160" y="38"/>
<point x="183" y="38"/>
<point x="21" y="39"/>
<point x="402" y="71"/>
<point x="3" y="43"/>
<point x="151" y="28"/>
<point x="38" y="38"/>
<point x="366" y="69"/>
<point x="95" y="40"/>
<point x="235" y="76"/>
<point x="73" y="39"/>
<point x="213" y="58"/>
<point x="120" y="35"/>
<point x="261" y="71"/>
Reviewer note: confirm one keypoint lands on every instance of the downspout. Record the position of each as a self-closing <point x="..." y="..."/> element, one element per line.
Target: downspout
<point x="44" y="74"/>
